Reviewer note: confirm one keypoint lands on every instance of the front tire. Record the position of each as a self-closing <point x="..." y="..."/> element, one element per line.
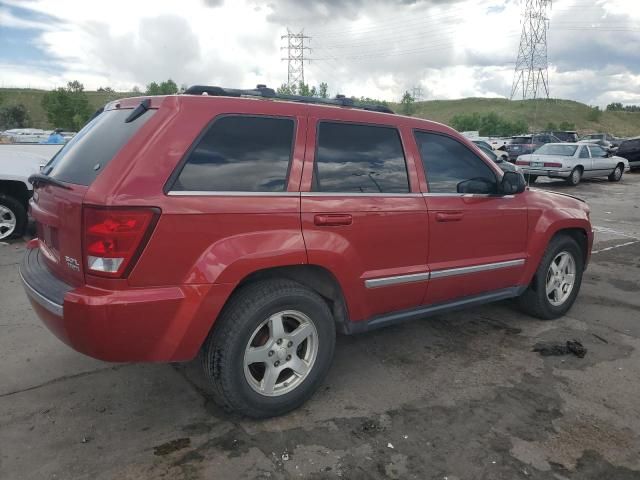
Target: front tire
<point x="616" y="175"/>
<point x="575" y="177"/>
<point x="557" y="281"/>
<point x="13" y="217"/>
<point x="270" y="349"/>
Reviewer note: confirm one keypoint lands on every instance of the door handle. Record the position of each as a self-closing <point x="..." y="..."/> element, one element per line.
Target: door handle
<point x="449" y="216"/>
<point x="333" y="219"/>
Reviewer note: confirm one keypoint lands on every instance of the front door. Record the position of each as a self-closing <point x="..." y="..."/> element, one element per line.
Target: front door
<point x="477" y="242"/>
<point x="363" y="216"/>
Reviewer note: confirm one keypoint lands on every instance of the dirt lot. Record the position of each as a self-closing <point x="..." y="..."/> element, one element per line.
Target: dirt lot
<point x="459" y="396"/>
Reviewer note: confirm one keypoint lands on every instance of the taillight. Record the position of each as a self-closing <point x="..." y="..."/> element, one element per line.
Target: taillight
<point x="552" y="164"/>
<point x="115" y="237"/>
<point x="522" y="162"/>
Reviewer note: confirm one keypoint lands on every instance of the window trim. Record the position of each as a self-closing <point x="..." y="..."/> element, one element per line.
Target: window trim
<point x="314" y="172"/>
<point x="173" y="178"/>
<point x="424" y="168"/>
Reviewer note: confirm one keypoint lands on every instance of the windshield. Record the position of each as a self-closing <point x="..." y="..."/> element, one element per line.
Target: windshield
<point x="518" y="140"/>
<point x="557" y="149"/>
<point x="593" y="136"/>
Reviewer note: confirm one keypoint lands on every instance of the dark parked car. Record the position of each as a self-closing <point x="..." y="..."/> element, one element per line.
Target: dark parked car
<point x="630" y="149"/>
<point x="565" y="136"/>
<point x="501" y="154"/>
<point x="525" y="144"/>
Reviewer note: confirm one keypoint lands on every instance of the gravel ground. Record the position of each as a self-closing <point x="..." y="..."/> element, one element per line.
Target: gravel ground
<point x="459" y="396"/>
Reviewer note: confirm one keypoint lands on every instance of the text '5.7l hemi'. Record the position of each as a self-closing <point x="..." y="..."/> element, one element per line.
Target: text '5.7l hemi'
<point x="249" y="228"/>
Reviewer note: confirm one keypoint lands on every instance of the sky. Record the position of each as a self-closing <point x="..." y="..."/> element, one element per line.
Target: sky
<point x="372" y="48"/>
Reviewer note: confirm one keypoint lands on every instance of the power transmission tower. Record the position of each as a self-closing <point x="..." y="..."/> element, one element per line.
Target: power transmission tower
<point x="416" y="93"/>
<point x="295" y="56"/>
<point x="531" y="76"/>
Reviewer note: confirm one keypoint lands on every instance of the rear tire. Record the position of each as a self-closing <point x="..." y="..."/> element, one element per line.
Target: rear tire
<point x="616" y="175"/>
<point x="247" y="356"/>
<point x="575" y="177"/>
<point x="13" y="217"/>
<point x="537" y="300"/>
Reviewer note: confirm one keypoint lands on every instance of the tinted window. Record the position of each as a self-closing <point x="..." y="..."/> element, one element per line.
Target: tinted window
<point x="584" y="153"/>
<point x="359" y="158"/>
<point x="89" y="152"/>
<point x="520" y="140"/>
<point x="557" y="149"/>
<point x="240" y="154"/>
<point x="597" y="151"/>
<point x="448" y="162"/>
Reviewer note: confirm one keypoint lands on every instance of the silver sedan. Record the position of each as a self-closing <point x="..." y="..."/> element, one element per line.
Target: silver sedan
<point x="572" y="162"/>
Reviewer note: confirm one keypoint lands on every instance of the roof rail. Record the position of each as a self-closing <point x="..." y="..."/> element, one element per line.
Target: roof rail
<point x="265" y="92"/>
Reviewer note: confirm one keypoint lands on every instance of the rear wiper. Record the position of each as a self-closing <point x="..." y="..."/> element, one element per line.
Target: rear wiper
<point x="139" y="110"/>
<point x="38" y="178"/>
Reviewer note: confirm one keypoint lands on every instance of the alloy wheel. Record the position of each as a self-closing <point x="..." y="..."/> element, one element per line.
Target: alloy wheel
<point x="280" y="353"/>
<point x="7" y="222"/>
<point x="561" y="278"/>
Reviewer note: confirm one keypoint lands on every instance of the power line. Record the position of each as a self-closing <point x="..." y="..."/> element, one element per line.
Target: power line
<point x="531" y="75"/>
<point x="295" y="56"/>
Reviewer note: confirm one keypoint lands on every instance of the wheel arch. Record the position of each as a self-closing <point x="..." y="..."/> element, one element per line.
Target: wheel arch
<point x="17" y="190"/>
<point x="315" y="277"/>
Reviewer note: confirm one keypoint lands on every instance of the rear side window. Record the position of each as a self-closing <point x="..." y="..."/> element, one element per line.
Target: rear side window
<point x="353" y="158"/>
<point x="87" y="154"/>
<point x="448" y="163"/>
<point x="520" y="140"/>
<point x="240" y="153"/>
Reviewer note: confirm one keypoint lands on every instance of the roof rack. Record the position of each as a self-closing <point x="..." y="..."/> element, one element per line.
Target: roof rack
<point x="265" y="92"/>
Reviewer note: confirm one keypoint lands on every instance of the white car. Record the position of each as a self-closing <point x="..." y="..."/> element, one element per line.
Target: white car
<point x="572" y="162"/>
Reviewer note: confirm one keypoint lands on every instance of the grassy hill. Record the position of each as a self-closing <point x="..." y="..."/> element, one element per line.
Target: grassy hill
<point x="537" y="113"/>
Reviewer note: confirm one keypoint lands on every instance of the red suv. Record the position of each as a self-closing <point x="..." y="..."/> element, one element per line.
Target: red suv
<point x="250" y="227"/>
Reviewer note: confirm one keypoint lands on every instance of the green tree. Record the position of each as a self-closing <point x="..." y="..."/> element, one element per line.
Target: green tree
<point x="551" y="127"/>
<point x="466" y="123"/>
<point x="594" y="114"/>
<point x="615" y="107"/>
<point x="567" y="126"/>
<point x="67" y="107"/>
<point x="488" y="124"/>
<point x="168" y="87"/>
<point x="285" y="89"/>
<point x="106" y="90"/>
<point x="13" y="116"/>
<point x="407" y="103"/>
<point x="323" y="90"/>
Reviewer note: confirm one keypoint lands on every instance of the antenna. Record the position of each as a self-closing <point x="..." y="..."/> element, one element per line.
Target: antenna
<point x="296" y="49"/>
<point x="531" y="76"/>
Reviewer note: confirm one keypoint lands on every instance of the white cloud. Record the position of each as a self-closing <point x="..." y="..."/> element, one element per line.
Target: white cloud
<point x="373" y="48"/>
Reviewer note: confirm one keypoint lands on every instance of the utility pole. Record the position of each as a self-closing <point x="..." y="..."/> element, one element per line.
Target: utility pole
<point x="531" y="76"/>
<point x="296" y="50"/>
<point x="416" y="93"/>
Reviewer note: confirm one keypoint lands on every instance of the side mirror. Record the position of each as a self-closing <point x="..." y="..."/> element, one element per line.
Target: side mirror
<point x="512" y="183"/>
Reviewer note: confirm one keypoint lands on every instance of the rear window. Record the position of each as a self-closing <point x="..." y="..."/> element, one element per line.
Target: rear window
<point x="88" y="153"/>
<point x="240" y="153"/>
<point x="557" y="149"/>
<point x="520" y="140"/>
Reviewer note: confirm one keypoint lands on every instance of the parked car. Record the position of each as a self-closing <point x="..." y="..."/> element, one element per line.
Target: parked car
<point x="605" y="140"/>
<point x="500" y="154"/>
<point x="17" y="163"/>
<point x="565" y="135"/>
<point x="524" y="144"/>
<point x="572" y="161"/>
<point x="250" y="230"/>
<point x="630" y="149"/>
<point x="503" y="164"/>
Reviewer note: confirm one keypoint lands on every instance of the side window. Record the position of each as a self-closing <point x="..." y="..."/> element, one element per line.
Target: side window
<point x="353" y="158"/>
<point x="448" y="163"/>
<point x="597" y="151"/>
<point x="584" y="153"/>
<point x="240" y="154"/>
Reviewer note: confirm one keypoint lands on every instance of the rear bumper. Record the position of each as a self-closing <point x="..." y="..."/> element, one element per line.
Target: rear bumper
<point x="545" y="172"/>
<point x="138" y="324"/>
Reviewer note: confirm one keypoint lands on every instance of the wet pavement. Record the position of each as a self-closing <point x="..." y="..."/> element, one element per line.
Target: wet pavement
<point x="458" y="396"/>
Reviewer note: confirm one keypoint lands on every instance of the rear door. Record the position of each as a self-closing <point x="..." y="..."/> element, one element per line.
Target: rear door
<point x="57" y="210"/>
<point x="363" y="216"/>
<point x="477" y="242"/>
